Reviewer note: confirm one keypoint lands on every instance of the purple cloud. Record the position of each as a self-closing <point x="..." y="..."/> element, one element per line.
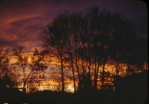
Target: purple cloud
<point x="21" y="20"/>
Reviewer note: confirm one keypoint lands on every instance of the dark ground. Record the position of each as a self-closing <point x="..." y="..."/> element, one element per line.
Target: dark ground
<point x="129" y="90"/>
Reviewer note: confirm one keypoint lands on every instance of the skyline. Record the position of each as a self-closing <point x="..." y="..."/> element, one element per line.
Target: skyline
<point x="22" y="21"/>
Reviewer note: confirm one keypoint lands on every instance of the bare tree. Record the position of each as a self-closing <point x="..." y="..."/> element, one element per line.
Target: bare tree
<point x="93" y="38"/>
<point x="36" y="66"/>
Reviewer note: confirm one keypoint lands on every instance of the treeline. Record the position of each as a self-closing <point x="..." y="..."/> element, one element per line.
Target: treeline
<point x="83" y="42"/>
<point x="87" y="40"/>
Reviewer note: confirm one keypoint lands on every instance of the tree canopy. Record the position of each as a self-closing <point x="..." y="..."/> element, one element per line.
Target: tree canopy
<point x="94" y="37"/>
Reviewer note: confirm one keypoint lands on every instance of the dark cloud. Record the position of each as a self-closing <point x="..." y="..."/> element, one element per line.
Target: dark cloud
<point x="7" y="44"/>
<point x="21" y="20"/>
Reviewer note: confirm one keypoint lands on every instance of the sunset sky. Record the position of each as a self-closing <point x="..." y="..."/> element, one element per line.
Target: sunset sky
<point x="22" y="20"/>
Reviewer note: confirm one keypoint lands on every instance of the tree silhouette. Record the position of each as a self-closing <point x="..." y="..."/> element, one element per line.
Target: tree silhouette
<point x="140" y="53"/>
<point x="90" y="40"/>
<point x="54" y="38"/>
<point x="6" y="73"/>
<point x="4" y="62"/>
<point x="37" y="65"/>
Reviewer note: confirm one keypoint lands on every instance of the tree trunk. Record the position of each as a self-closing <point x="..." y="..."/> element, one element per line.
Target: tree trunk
<point x="78" y="70"/>
<point x="73" y="73"/>
<point x="116" y="68"/>
<point x="89" y="66"/>
<point x="95" y="74"/>
<point x="62" y="73"/>
<point x="62" y="66"/>
<point x="102" y="79"/>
